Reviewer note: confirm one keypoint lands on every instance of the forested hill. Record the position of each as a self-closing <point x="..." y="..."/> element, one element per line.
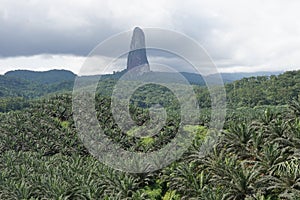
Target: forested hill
<point x="18" y="87"/>
<point x="264" y="90"/>
<point x="247" y="92"/>
<point x="47" y="77"/>
<point x="30" y="84"/>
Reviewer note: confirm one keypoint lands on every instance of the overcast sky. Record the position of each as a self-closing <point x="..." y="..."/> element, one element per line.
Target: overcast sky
<point x="253" y="35"/>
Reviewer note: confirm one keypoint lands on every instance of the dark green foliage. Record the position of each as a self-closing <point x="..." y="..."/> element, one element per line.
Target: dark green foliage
<point x="18" y="87"/>
<point x="12" y="87"/>
<point x="47" y="77"/>
<point x="13" y="103"/>
<point x="256" y="157"/>
<point x="257" y="91"/>
<point x="262" y="90"/>
<point x="15" y="87"/>
<point x="42" y="157"/>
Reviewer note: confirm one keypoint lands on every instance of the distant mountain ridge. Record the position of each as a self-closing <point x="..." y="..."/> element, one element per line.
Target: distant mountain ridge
<point x="230" y="77"/>
<point x="57" y="76"/>
<point x="44" y="77"/>
<point x="31" y="84"/>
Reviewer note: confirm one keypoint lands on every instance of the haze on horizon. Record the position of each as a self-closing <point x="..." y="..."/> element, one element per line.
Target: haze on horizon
<point x="240" y="36"/>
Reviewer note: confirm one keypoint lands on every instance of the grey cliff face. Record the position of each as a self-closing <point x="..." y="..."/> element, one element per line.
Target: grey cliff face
<point x="137" y="57"/>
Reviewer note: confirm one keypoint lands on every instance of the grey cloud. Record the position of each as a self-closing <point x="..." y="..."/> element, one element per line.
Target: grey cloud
<point x="234" y="33"/>
<point x="65" y="27"/>
<point x="23" y="40"/>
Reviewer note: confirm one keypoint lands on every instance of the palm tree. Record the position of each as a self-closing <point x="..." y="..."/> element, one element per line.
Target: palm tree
<point x="229" y="173"/>
<point x="285" y="180"/>
<point x="188" y="181"/>
<point x="237" y="139"/>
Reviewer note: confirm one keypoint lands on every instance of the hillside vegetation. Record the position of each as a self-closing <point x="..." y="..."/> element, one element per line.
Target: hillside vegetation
<point x="47" y="77"/>
<point x="256" y="156"/>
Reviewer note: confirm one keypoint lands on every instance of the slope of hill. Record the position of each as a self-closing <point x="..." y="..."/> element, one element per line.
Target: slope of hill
<point x="251" y="91"/>
<point x="42" y="157"/>
<point x="30" y="84"/>
<point x="246" y="92"/>
<point x="264" y="90"/>
<point x="46" y="77"/>
<point x="12" y="87"/>
<point x="15" y="93"/>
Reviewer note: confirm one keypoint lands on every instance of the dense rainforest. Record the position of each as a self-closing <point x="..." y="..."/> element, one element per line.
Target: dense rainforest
<point x="17" y="87"/>
<point x="256" y="156"/>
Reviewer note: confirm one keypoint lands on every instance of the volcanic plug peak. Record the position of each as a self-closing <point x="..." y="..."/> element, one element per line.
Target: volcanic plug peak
<point x="137" y="56"/>
<point x="138" y="39"/>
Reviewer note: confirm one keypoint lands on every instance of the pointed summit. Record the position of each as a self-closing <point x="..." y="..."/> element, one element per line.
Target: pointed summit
<point x="137" y="56"/>
<point x="138" y="39"/>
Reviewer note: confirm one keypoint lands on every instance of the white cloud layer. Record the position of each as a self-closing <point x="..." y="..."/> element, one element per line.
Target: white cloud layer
<point x="240" y="35"/>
